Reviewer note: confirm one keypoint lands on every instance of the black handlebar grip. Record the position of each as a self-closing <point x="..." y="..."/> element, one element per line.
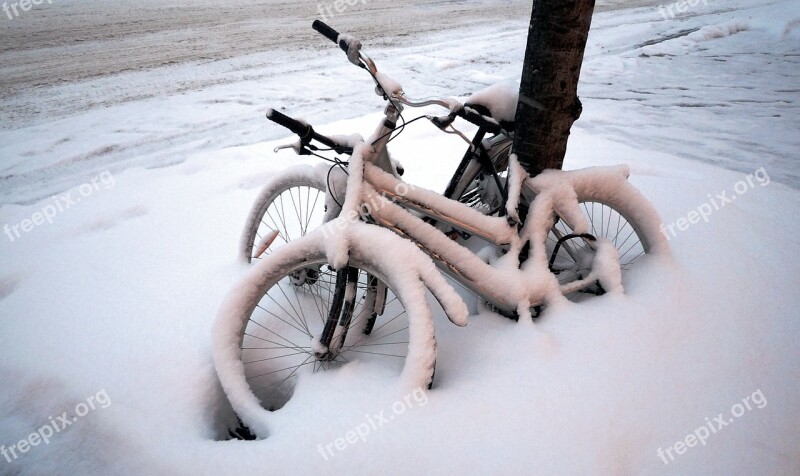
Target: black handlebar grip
<point x="326" y="31"/>
<point x="443" y="121"/>
<point x="306" y="132"/>
<point x="479" y="120"/>
<point x="295" y="126"/>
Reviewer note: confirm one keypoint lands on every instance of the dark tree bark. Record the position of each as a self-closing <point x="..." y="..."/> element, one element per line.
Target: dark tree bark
<point x="548" y="100"/>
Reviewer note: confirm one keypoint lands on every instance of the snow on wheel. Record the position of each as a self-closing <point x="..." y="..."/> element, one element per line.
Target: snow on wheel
<point x="616" y="211"/>
<point x="267" y="335"/>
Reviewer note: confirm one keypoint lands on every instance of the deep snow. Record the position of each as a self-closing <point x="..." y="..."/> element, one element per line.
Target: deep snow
<point x="120" y="291"/>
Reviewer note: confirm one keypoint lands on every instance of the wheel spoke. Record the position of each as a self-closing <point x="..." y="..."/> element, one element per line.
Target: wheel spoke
<point x="289" y="212"/>
<point x="601" y="217"/>
<point x="280" y="320"/>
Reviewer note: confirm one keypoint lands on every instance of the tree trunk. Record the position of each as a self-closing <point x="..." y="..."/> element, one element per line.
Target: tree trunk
<point x="548" y="98"/>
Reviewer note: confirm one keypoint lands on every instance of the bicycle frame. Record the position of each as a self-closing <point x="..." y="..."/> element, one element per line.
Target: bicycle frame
<point x="529" y="281"/>
<point x="528" y="284"/>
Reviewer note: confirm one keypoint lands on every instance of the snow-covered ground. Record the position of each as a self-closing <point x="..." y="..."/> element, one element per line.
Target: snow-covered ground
<point x="110" y="306"/>
<point x="62" y="121"/>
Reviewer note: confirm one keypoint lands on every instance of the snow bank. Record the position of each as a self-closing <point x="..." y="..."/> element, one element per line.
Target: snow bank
<point x="712" y="32"/>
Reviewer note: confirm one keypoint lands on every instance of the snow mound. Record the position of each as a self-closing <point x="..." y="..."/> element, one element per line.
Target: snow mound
<point x="712" y="32"/>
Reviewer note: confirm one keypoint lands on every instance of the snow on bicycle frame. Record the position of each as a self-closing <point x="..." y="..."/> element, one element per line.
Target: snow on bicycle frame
<point x="505" y="284"/>
<point x="508" y="285"/>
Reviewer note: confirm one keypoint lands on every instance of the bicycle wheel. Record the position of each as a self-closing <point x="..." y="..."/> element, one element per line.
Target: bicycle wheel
<point x="291" y="204"/>
<point x="613" y="216"/>
<point x="267" y="338"/>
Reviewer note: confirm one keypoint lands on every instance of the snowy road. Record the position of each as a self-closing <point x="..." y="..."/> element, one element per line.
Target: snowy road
<point x="39" y="47"/>
<point x="147" y="94"/>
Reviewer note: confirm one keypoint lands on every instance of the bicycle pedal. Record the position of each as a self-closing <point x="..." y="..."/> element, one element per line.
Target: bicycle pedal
<point x="537" y="312"/>
<point x="513" y="315"/>
<point x="241" y="432"/>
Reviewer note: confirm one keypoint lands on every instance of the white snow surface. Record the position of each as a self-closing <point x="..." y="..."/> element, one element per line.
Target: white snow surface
<point x="120" y="291"/>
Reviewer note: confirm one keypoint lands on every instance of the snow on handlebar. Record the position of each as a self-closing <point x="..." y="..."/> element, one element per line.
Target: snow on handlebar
<point x="352" y="47"/>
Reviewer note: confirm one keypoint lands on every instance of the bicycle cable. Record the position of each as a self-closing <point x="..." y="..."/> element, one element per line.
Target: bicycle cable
<point x="342" y="165"/>
<point x="394" y="105"/>
<point x="399" y="130"/>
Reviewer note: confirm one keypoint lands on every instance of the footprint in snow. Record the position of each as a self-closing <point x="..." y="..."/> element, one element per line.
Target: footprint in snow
<point x="8" y="284"/>
<point x="111" y="222"/>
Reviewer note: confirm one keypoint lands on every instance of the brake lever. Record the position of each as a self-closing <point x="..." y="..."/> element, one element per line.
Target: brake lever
<point x="457" y="132"/>
<point x="450" y="129"/>
<point x="294" y="146"/>
<point x="297" y="147"/>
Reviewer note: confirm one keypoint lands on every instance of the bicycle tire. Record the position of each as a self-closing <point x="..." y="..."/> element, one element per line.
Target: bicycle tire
<point x="620" y="214"/>
<point x="240" y="323"/>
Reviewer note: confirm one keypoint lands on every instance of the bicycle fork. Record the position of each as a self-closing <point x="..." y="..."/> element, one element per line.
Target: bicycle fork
<point x="341" y="313"/>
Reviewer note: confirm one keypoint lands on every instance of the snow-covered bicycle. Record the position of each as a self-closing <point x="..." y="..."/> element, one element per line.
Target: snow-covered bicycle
<point x="293" y="202"/>
<point x="356" y="287"/>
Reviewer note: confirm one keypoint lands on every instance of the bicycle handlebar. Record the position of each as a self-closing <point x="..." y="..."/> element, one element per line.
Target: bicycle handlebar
<point x="470" y="116"/>
<point x="325" y="30"/>
<point x="466" y="113"/>
<point x="293" y="125"/>
<point x="306" y="132"/>
<point x="479" y="120"/>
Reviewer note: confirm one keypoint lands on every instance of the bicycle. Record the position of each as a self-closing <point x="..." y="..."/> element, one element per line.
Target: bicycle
<point x="337" y="293"/>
